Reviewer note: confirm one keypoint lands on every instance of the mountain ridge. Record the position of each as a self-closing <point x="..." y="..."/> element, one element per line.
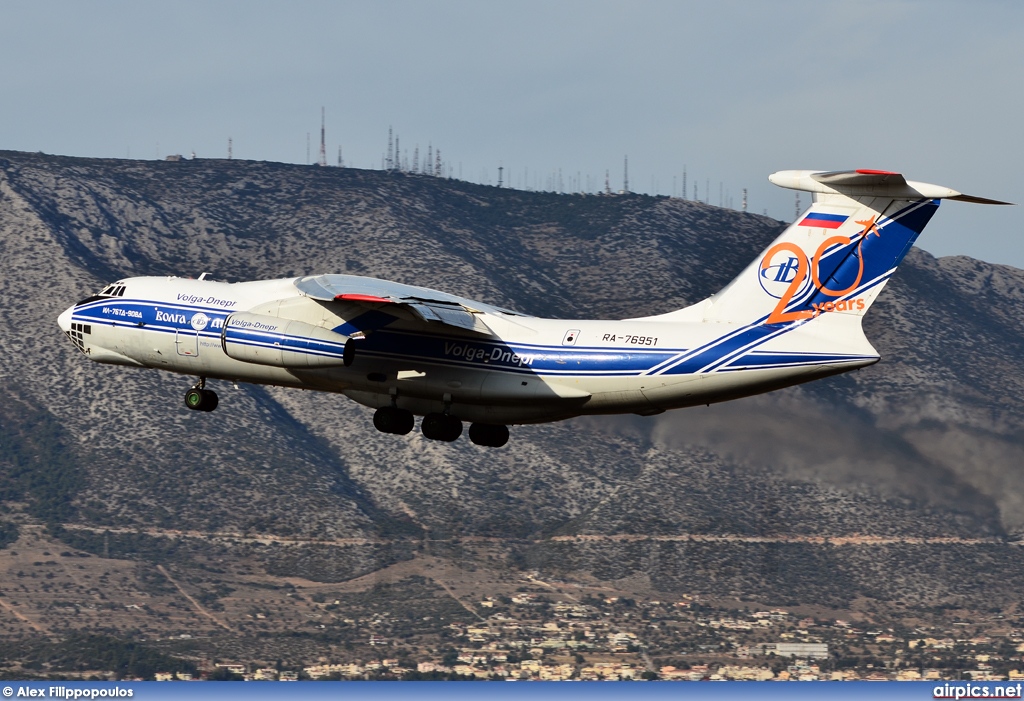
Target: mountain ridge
<point x="922" y="445"/>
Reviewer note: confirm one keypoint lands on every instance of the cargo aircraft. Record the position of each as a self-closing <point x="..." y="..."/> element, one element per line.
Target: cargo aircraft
<point x="793" y="315"/>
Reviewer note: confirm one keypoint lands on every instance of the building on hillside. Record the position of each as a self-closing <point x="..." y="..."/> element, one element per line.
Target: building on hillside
<point x="808" y="650"/>
<point x="238" y="669"/>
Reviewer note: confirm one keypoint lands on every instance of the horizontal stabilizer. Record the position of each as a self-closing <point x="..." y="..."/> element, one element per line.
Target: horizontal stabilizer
<point x="869" y="183"/>
<point x="977" y="200"/>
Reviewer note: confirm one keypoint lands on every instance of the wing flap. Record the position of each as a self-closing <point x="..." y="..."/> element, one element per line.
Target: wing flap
<point x="424" y="312"/>
<point x="454" y="317"/>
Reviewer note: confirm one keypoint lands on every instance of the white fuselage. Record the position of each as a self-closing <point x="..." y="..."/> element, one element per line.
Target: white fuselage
<point x="794" y="314"/>
<point x="526" y="370"/>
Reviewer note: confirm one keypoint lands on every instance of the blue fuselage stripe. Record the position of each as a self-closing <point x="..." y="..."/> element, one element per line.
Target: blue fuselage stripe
<point x="730" y="351"/>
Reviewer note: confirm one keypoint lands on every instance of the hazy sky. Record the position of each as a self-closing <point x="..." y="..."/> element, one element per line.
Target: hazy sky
<point x="732" y="91"/>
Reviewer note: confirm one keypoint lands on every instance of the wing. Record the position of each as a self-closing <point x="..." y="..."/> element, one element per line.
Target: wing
<point x="430" y="306"/>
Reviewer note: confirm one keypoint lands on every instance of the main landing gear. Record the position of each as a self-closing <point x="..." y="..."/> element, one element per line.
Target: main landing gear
<point x="391" y="419"/>
<point x="490" y="435"/>
<point x="438" y="427"/>
<point x="198" y="398"/>
<point x="441" y="427"/>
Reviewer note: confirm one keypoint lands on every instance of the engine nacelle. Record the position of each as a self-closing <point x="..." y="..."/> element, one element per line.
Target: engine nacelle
<point x="283" y="343"/>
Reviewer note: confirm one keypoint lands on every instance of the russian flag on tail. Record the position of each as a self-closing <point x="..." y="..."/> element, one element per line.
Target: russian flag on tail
<point x="824" y="221"/>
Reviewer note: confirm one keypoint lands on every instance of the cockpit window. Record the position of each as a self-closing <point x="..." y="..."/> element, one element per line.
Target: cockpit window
<point x="115" y="290"/>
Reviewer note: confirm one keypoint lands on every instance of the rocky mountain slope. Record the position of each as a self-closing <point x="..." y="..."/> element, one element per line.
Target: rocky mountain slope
<point x="917" y="450"/>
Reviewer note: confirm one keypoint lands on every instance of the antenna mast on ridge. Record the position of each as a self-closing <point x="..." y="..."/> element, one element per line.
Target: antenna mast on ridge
<point x="323" y="139"/>
<point x="391" y="151"/>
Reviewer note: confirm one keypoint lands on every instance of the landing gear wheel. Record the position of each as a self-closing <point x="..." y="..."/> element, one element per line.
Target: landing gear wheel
<point x="194" y="399"/>
<point x="391" y="419"/>
<point x="490" y="435"/>
<point x="201" y="399"/>
<point x="210" y="400"/>
<point x="441" y="427"/>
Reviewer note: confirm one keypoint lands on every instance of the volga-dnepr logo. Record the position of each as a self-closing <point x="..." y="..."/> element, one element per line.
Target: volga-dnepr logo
<point x="777" y="273"/>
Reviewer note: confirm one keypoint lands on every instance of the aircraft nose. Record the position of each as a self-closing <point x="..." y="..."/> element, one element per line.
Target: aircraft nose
<point x="64" y="320"/>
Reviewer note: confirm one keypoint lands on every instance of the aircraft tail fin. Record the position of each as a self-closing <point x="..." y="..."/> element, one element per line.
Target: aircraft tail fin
<point x="837" y="256"/>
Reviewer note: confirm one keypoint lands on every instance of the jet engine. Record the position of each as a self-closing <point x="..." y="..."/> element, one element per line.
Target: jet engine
<point x="283" y="343"/>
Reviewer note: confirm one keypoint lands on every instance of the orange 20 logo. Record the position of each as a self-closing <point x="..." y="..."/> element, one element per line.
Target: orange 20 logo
<point x="789" y="274"/>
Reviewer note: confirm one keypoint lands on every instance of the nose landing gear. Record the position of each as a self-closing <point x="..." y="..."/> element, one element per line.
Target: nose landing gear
<point x="198" y="398"/>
